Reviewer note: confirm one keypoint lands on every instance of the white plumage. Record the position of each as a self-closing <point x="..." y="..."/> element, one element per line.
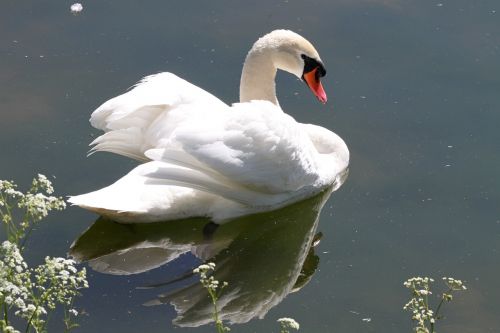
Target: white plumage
<point x="206" y="158"/>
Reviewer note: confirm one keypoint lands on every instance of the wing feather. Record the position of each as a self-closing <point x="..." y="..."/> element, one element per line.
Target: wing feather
<point x="127" y="118"/>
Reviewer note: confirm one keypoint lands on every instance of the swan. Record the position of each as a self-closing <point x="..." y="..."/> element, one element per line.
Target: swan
<point x="203" y="157"/>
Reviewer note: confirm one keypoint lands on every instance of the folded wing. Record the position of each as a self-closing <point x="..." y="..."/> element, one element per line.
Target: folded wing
<point x="254" y="145"/>
<point x="135" y="120"/>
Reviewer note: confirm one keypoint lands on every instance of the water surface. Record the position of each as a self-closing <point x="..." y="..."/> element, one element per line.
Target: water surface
<point x="413" y="89"/>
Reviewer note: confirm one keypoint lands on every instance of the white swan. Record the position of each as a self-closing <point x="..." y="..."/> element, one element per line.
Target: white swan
<point x="206" y="158"/>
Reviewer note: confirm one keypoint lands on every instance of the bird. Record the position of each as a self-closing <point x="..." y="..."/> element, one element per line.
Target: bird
<point x="201" y="157"/>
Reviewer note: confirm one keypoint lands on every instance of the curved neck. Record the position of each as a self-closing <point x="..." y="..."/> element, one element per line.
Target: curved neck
<point x="257" y="77"/>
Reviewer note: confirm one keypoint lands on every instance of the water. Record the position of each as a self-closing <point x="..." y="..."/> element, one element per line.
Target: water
<point x="413" y="90"/>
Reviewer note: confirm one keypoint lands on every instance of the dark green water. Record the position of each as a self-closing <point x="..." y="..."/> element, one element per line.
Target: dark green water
<point x="414" y="90"/>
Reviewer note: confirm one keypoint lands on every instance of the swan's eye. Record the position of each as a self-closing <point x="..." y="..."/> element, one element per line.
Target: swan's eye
<point x="321" y="70"/>
<point x="317" y="74"/>
<point x="311" y="64"/>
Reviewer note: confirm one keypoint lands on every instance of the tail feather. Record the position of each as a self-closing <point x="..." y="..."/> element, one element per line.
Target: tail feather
<point x="124" y="128"/>
<point x="127" y="142"/>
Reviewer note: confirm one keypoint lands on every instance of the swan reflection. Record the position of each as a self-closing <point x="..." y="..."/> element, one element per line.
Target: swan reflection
<point x="263" y="258"/>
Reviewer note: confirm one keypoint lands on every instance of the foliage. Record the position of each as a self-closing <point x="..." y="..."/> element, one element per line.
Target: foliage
<point x="32" y="293"/>
<point x="422" y="314"/>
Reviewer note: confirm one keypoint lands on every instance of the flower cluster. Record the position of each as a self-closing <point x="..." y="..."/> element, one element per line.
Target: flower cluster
<point x="208" y="282"/>
<point x="29" y="292"/>
<point x="59" y="279"/>
<point x="14" y="277"/>
<point x="42" y="183"/>
<point x="35" y="204"/>
<point x="287" y="323"/>
<point x="8" y="191"/>
<point x="454" y="284"/>
<point x="418" y="305"/>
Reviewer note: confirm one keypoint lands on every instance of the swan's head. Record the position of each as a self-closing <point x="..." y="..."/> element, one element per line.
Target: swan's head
<point x="295" y="54"/>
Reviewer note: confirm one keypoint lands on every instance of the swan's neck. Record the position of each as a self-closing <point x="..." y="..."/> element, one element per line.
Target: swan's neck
<point x="257" y="78"/>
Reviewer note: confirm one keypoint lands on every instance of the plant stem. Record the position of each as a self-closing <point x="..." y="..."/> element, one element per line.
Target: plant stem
<point x="68" y="325"/>
<point x="218" y="324"/>
<point x="25" y="238"/>
<point x="11" y="230"/>
<point x="439" y="308"/>
<point x="39" y="301"/>
<point x="5" y="314"/>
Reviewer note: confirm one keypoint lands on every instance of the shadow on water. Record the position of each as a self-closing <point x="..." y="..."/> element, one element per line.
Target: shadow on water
<point x="263" y="257"/>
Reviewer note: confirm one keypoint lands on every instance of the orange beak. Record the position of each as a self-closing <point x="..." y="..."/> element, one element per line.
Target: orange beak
<point x="313" y="82"/>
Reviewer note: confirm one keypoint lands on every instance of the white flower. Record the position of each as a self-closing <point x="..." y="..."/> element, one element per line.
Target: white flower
<point x="10" y="329"/>
<point x="13" y="193"/>
<point x="424" y="292"/>
<point x="19" y="303"/>
<point x="288" y="323"/>
<point x="43" y="183"/>
<point x="30" y="308"/>
<point x="76" y="8"/>
<point x="203" y="268"/>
